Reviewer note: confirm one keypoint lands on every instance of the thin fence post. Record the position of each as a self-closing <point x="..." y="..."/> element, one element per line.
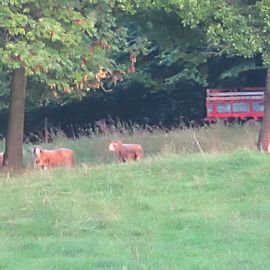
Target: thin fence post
<point x="46" y="135"/>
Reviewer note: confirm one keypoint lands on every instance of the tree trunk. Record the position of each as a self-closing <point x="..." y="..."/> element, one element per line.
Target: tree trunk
<point x="13" y="157"/>
<point x="264" y="135"/>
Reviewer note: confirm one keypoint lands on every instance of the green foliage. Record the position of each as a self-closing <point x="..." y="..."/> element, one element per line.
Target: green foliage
<point x="236" y="70"/>
<point x="63" y="43"/>
<point x="235" y="28"/>
<point x="188" y="73"/>
<point x="198" y="30"/>
<point x="175" y="52"/>
<point x="4" y="90"/>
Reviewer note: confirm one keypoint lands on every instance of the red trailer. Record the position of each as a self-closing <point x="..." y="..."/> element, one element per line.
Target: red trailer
<point x="235" y="103"/>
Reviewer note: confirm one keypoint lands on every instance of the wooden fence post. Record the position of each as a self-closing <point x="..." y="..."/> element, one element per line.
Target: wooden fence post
<point x="46" y="135"/>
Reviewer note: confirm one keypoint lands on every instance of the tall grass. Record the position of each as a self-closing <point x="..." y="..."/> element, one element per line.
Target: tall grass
<point x="213" y="139"/>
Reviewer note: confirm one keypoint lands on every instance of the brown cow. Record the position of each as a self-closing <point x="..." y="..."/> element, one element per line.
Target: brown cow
<point x="53" y="158"/>
<point x="126" y="152"/>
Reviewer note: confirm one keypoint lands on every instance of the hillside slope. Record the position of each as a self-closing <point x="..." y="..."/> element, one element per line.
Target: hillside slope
<point x="167" y="212"/>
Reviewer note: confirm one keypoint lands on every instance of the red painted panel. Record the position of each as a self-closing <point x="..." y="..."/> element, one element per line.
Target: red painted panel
<point x="235" y="96"/>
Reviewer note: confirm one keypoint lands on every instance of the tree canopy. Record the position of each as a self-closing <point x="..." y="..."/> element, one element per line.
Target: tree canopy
<point x="234" y="28"/>
<point x="67" y="44"/>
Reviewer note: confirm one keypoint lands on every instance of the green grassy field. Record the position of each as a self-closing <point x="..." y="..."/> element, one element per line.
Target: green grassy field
<point x="206" y="208"/>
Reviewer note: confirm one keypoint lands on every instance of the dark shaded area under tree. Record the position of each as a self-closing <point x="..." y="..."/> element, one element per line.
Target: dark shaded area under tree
<point x="136" y="105"/>
<point x="183" y="103"/>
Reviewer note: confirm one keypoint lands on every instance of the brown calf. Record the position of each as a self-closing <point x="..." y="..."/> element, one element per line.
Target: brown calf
<point x="126" y="152"/>
<point x="53" y="158"/>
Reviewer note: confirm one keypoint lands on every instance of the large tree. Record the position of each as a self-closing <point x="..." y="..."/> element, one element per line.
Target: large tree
<point x="236" y="28"/>
<point x="232" y="28"/>
<point x="68" y="44"/>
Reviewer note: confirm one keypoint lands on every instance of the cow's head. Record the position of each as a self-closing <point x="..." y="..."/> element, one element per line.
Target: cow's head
<point x="40" y="157"/>
<point x="114" y="145"/>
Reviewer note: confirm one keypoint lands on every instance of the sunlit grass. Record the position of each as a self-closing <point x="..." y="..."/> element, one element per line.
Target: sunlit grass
<point x="199" y="200"/>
